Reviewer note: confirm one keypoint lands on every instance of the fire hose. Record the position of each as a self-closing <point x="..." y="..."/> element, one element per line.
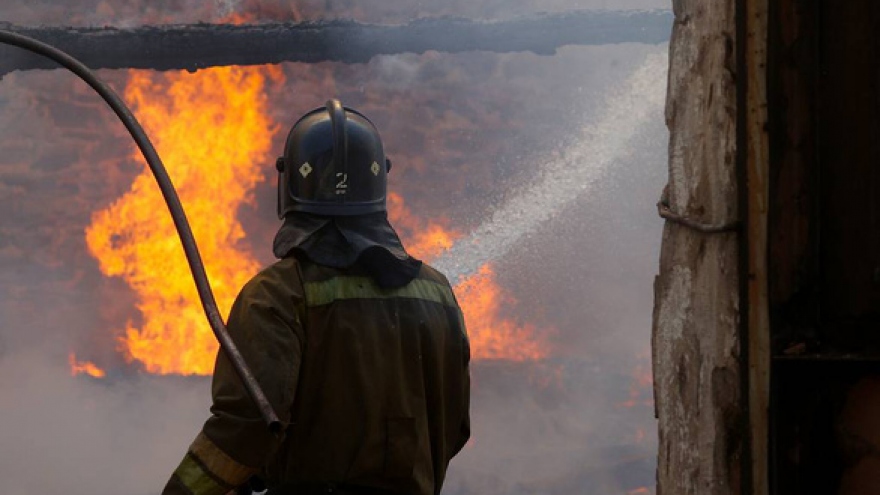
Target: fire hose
<point x="190" y="248"/>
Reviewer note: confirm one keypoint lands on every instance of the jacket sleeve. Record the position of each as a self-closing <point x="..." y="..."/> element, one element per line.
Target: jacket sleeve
<point x="235" y="443"/>
<point x="463" y="432"/>
<point x="465" y="426"/>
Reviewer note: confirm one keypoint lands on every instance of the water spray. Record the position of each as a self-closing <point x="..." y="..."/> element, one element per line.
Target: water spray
<point x="566" y="179"/>
<point x="190" y="248"/>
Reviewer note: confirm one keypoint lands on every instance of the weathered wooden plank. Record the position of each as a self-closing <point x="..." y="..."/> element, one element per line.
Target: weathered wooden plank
<point x="696" y="331"/>
<point x="197" y="46"/>
<point x="757" y="194"/>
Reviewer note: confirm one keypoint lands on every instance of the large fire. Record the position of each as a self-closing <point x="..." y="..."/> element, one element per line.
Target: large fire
<point x="212" y="130"/>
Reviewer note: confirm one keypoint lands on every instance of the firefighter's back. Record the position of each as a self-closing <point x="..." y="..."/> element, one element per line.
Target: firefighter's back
<point x="381" y="397"/>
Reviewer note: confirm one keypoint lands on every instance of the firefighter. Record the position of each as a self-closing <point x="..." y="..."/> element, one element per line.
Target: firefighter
<point x="360" y="348"/>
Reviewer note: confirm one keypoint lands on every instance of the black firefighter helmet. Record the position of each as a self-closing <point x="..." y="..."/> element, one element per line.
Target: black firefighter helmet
<point x="333" y="164"/>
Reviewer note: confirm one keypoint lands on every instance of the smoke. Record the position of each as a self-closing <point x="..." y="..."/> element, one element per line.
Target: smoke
<point x="62" y="434"/>
<point x="574" y="143"/>
<point x="131" y="13"/>
<point x="226" y="7"/>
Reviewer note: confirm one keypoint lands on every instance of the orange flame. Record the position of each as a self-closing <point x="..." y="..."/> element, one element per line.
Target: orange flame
<point x="423" y="240"/>
<point x="492" y="336"/>
<point x="238" y="18"/>
<point x="482" y="299"/>
<point x="84" y="367"/>
<point x="212" y="130"/>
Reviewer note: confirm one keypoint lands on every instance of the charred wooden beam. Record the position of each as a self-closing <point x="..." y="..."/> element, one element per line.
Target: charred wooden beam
<point x="196" y="46"/>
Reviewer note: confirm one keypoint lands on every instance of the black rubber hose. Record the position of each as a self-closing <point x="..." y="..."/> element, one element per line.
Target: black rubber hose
<point x="177" y="214"/>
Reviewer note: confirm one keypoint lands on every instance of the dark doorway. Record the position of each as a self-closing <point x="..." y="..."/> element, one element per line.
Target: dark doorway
<point x="824" y="95"/>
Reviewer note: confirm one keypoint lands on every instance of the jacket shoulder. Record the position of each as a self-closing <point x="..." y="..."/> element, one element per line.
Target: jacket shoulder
<point x="282" y="276"/>
<point x="428" y="272"/>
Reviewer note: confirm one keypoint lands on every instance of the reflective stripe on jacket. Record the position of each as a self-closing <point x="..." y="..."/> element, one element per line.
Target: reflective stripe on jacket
<point x="372" y="384"/>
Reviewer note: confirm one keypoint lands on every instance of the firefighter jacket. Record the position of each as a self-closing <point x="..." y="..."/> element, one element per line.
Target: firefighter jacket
<point x="371" y="384"/>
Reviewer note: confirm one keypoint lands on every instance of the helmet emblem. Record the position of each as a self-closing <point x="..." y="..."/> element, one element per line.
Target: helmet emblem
<point x="342" y="185"/>
<point x="375" y="169"/>
<point x="305" y="170"/>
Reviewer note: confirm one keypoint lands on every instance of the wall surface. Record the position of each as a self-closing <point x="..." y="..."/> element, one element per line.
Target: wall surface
<point x="696" y="341"/>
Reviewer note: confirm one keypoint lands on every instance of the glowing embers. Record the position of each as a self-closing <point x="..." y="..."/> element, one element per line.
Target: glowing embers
<point x="213" y="134"/>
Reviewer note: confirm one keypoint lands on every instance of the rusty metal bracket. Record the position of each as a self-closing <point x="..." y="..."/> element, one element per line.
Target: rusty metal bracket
<point x="665" y="212"/>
